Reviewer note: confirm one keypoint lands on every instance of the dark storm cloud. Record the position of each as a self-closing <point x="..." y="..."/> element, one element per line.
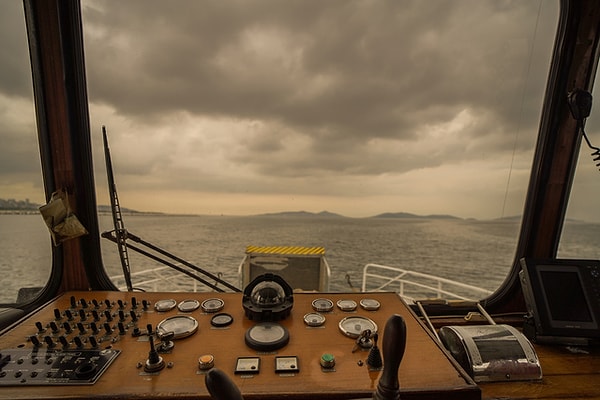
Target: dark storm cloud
<point x="14" y="67"/>
<point x="338" y="72"/>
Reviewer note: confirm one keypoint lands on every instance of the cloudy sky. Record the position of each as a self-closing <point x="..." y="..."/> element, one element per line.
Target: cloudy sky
<point x="355" y="107"/>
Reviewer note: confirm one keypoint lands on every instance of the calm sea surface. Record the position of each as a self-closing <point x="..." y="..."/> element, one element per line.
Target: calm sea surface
<point x="473" y="252"/>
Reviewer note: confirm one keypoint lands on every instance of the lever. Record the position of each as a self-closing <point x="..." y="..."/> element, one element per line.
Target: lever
<point x="220" y="386"/>
<point x="394" y="344"/>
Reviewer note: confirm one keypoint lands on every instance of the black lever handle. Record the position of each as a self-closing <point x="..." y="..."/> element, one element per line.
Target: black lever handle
<point x="394" y="344"/>
<point x="220" y="386"/>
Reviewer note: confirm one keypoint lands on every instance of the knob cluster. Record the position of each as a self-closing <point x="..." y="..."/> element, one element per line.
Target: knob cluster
<point x="88" y="323"/>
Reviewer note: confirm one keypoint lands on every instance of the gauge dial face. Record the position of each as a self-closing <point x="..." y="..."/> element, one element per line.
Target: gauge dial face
<point x="181" y="325"/>
<point x="314" y="319"/>
<point x="188" y="305"/>
<point x="212" y="305"/>
<point x="346" y="305"/>
<point x="322" y="305"/>
<point x="370" y="304"/>
<point x="355" y="325"/>
<point x="267" y="336"/>
<point x="165" y="305"/>
<point x="221" y="320"/>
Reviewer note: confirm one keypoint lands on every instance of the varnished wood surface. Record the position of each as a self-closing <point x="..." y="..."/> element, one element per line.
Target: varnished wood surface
<point x="425" y="372"/>
<point x="569" y="373"/>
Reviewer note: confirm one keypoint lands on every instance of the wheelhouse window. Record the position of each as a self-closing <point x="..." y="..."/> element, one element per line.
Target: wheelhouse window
<point x="394" y="133"/>
<point x="581" y="231"/>
<point x="25" y="247"/>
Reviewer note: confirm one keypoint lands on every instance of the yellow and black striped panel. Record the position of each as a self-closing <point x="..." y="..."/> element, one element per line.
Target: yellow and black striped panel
<point x="287" y="250"/>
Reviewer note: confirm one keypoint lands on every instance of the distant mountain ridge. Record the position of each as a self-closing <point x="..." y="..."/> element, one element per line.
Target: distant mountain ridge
<point x="330" y="214"/>
<point x="301" y="214"/>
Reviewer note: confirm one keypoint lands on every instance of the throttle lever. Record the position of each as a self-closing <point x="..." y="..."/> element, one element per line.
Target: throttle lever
<point x="394" y="344"/>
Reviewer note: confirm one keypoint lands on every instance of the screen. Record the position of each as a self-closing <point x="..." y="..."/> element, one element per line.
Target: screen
<point x="564" y="296"/>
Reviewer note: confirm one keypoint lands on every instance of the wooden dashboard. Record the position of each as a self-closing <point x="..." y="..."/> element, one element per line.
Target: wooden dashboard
<point x="102" y="337"/>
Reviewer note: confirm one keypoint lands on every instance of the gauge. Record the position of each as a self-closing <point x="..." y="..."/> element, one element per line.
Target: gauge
<point x="267" y="336"/>
<point x="182" y="326"/>
<point x="322" y="305"/>
<point x="346" y="305"/>
<point x="165" y="305"/>
<point x="370" y="304"/>
<point x="188" y="305"/>
<point x="355" y="325"/>
<point x="314" y="319"/>
<point x="212" y="305"/>
<point x="221" y="320"/>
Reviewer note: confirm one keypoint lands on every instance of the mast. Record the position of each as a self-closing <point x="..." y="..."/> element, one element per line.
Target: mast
<point x="120" y="231"/>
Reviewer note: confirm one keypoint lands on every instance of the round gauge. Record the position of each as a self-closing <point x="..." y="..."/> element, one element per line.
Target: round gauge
<point x="221" y="320"/>
<point x="165" y="305"/>
<point x="346" y="305"/>
<point x="267" y="336"/>
<point x="370" y="304"/>
<point x="322" y="305"/>
<point x="212" y="305"/>
<point x="355" y="325"/>
<point x="314" y="319"/>
<point x="188" y="305"/>
<point x="182" y="326"/>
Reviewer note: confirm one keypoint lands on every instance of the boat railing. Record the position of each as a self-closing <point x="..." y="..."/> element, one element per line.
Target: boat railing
<point x="163" y="279"/>
<point x="412" y="285"/>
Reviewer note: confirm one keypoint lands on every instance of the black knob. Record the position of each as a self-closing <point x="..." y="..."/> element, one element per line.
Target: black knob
<point x="220" y="386"/>
<point x="394" y="344"/>
<point x="69" y="314"/>
<point x="81" y="328"/>
<point x="83" y="303"/>
<point x="73" y="302"/>
<point x="154" y="362"/>
<point x="78" y="342"/>
<point x="39" y="327"/>
<point x="54" y="327"/>
<point x="93" y="342"/>
<point x="35" y="341"/>
<point x="133" y="302"/>
<point x="63" y="340"/>
<point x="108" y="316"/>
<point x="82" y="315"/>
<point x="134" y="317"/>
<point x="67" y="327"/>
<point x="57" y="315"/>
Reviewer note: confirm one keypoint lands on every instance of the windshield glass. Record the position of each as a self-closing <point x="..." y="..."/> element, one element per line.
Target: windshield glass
<point x="581" y="231"/>
<point x="403" y="131"/>
<point x="25" y="246"/>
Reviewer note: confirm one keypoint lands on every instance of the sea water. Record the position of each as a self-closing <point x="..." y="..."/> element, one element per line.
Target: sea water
<point x="475" y="252"/>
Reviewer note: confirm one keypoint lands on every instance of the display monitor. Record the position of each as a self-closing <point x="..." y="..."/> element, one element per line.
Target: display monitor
<point x="563" y="299"/>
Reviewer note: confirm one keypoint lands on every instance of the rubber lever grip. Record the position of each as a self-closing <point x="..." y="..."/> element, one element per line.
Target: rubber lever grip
<point x="220" y="386"/>
<point x="394" y="344"/>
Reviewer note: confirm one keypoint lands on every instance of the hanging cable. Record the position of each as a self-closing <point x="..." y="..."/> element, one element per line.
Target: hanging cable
<point x="580" y="104"/>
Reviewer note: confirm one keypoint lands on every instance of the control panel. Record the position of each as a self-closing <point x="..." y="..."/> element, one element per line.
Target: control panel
<point x="153" y="345"/>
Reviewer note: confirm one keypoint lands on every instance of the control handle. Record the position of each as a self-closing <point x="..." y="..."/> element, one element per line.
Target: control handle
<point x="394" y="344"/>
<point x="220" y="386"/>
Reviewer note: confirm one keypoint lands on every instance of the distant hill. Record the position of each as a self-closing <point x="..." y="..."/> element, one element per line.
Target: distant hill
<point x="18" y="205"/>
<point x="301" y="214"/>
<point x="409" y="215"/>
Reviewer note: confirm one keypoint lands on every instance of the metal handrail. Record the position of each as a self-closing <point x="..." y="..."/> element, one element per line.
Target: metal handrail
<point x="406" y="279"/>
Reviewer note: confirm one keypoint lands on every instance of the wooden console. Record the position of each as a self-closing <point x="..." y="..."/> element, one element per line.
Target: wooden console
<point x="426" y="371"/>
